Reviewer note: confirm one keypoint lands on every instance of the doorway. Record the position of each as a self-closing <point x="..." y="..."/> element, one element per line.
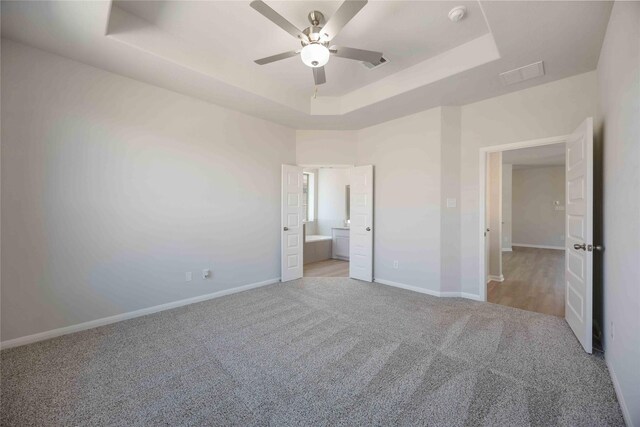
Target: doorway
<point x="525" y="204"/>
<point x="327" y="222"/>
<point x="578" y="229"/>
<point x="327" y="218"/>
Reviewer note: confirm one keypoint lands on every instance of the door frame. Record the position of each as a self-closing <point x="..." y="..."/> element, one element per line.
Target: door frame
<point x="312" y="166"/>
<point x="482" y="192"/>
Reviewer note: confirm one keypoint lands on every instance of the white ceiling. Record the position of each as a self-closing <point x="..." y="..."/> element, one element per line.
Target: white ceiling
<point x="206" y="50"/>
<point x="380" y="27"/>
<point x="546" y="155"/>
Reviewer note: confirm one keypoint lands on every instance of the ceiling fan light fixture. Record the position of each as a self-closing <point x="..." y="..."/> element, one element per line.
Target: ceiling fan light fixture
<point x="315" y="55"/>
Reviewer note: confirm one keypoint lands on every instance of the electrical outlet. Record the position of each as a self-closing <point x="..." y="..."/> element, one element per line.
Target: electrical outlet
<point x="188" y="276"/>
<point x="395" y="264"/>
<point x="206" y="273"/>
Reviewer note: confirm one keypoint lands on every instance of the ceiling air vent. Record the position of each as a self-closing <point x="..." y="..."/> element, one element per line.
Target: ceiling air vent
<point x="370" y="66"/>
<point x="523" y="73"/>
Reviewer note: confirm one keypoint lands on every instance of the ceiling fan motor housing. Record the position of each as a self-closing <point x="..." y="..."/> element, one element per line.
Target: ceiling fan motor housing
<point x="316" y="18"/>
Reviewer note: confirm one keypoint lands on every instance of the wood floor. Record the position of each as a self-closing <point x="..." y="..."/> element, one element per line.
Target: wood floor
<point x="328" y="268"/>
<point x="533" y="280"/>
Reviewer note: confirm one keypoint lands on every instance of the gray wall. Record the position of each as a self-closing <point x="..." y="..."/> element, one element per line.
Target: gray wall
<point x="536" y="221"/>
<point x="619" y="84"/>
<point x="113" y="189"/>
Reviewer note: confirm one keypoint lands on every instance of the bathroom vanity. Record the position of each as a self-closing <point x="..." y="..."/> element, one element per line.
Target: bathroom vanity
<point x="340" y="243"/>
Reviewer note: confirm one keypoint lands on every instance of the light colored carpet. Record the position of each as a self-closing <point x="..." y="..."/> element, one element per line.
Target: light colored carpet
<point x="317" y="351"/>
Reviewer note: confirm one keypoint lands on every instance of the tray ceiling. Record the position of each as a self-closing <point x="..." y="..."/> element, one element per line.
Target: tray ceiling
<point x="206" y="50"/>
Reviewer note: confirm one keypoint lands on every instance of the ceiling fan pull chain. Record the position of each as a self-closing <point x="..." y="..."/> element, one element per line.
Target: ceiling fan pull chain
<point x="315" y="92"/>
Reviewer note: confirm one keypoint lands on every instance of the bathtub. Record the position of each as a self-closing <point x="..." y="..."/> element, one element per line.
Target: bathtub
<point x="317" y="248"/>
<point x="316" y="238"/>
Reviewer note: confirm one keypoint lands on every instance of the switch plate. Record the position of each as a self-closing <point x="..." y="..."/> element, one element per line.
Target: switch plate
<point x="451" y="203"/>
<point x="188" y="276"/>
<point x="395" y="264"/>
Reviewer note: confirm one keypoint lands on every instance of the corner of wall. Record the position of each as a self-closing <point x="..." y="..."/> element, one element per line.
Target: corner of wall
<point x="450" y="139"/>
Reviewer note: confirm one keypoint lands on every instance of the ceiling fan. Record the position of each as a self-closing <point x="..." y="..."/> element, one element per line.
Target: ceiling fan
<point x="315" y="39"/>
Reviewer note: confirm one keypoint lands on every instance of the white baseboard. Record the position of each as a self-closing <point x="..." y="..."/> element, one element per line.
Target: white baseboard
<point x="616" y="385"/>
<point x="41" y="336"/>
<point x="499" y="278"/>
<point x="428" y="291"/>
<point x="471" y="296"/>
<point x="408" y="287"/>
<point x="507" y="249"/>
<point x="525" y="245"/>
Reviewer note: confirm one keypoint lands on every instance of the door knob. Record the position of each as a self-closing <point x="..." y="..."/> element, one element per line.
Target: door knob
<point x="286" y="229"/>
<point x="578" y="247"/>
<point x="595" y="248"/>
<point x="368" y="229"/>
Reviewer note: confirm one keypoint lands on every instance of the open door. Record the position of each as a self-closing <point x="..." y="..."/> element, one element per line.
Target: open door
<point x="292" y="245"/>
<point x="361" y="229"/>
<point x="579" y="233"/>
<point x="487" y="230"/>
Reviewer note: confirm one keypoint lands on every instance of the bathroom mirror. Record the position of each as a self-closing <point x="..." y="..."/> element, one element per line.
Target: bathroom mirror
<point x="347" y="204"/>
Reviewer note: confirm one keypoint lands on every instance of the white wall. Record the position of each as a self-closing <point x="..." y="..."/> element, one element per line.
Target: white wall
<point x="407" y="179"/>
<point x="507" y="177"/>
<point x="547" y="110"/>
<point x="326" y="147"/>
<point x="332" y="198"/>
<point x="406" y="157"/>
<point x="536" y="221"/>
<point x="113" y="189"/>
<point x="552" y="109"/>
<point x="450" y="186"/>
<point x="619" y="88"/>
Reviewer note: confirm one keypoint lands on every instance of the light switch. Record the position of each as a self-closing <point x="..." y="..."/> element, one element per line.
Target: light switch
<point x="451" y="203"/>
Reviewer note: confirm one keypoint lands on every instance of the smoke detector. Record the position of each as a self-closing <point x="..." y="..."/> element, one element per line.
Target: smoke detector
<point x="457" y="13"/>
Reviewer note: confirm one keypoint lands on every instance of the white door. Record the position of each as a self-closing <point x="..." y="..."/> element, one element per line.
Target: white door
<point x="292" y="245"/>
<point x="487" y="230"/>
<point x="579" y="232"/>
<point x="361" y="230"/>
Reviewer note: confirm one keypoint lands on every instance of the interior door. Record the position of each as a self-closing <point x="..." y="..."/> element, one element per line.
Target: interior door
<point x="361" y="229"/>
<point x="292" y="245"/>
<point x="487" y="230"/>
<point x="579" y="232"/>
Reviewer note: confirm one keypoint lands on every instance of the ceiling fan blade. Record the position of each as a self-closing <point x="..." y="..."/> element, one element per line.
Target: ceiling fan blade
<point x="277" y="19"/>
<point x="318" y="76"/>
<point x="274" y="58"/>
<point x="369" y="56"/>
<point x="343" y="15"/>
